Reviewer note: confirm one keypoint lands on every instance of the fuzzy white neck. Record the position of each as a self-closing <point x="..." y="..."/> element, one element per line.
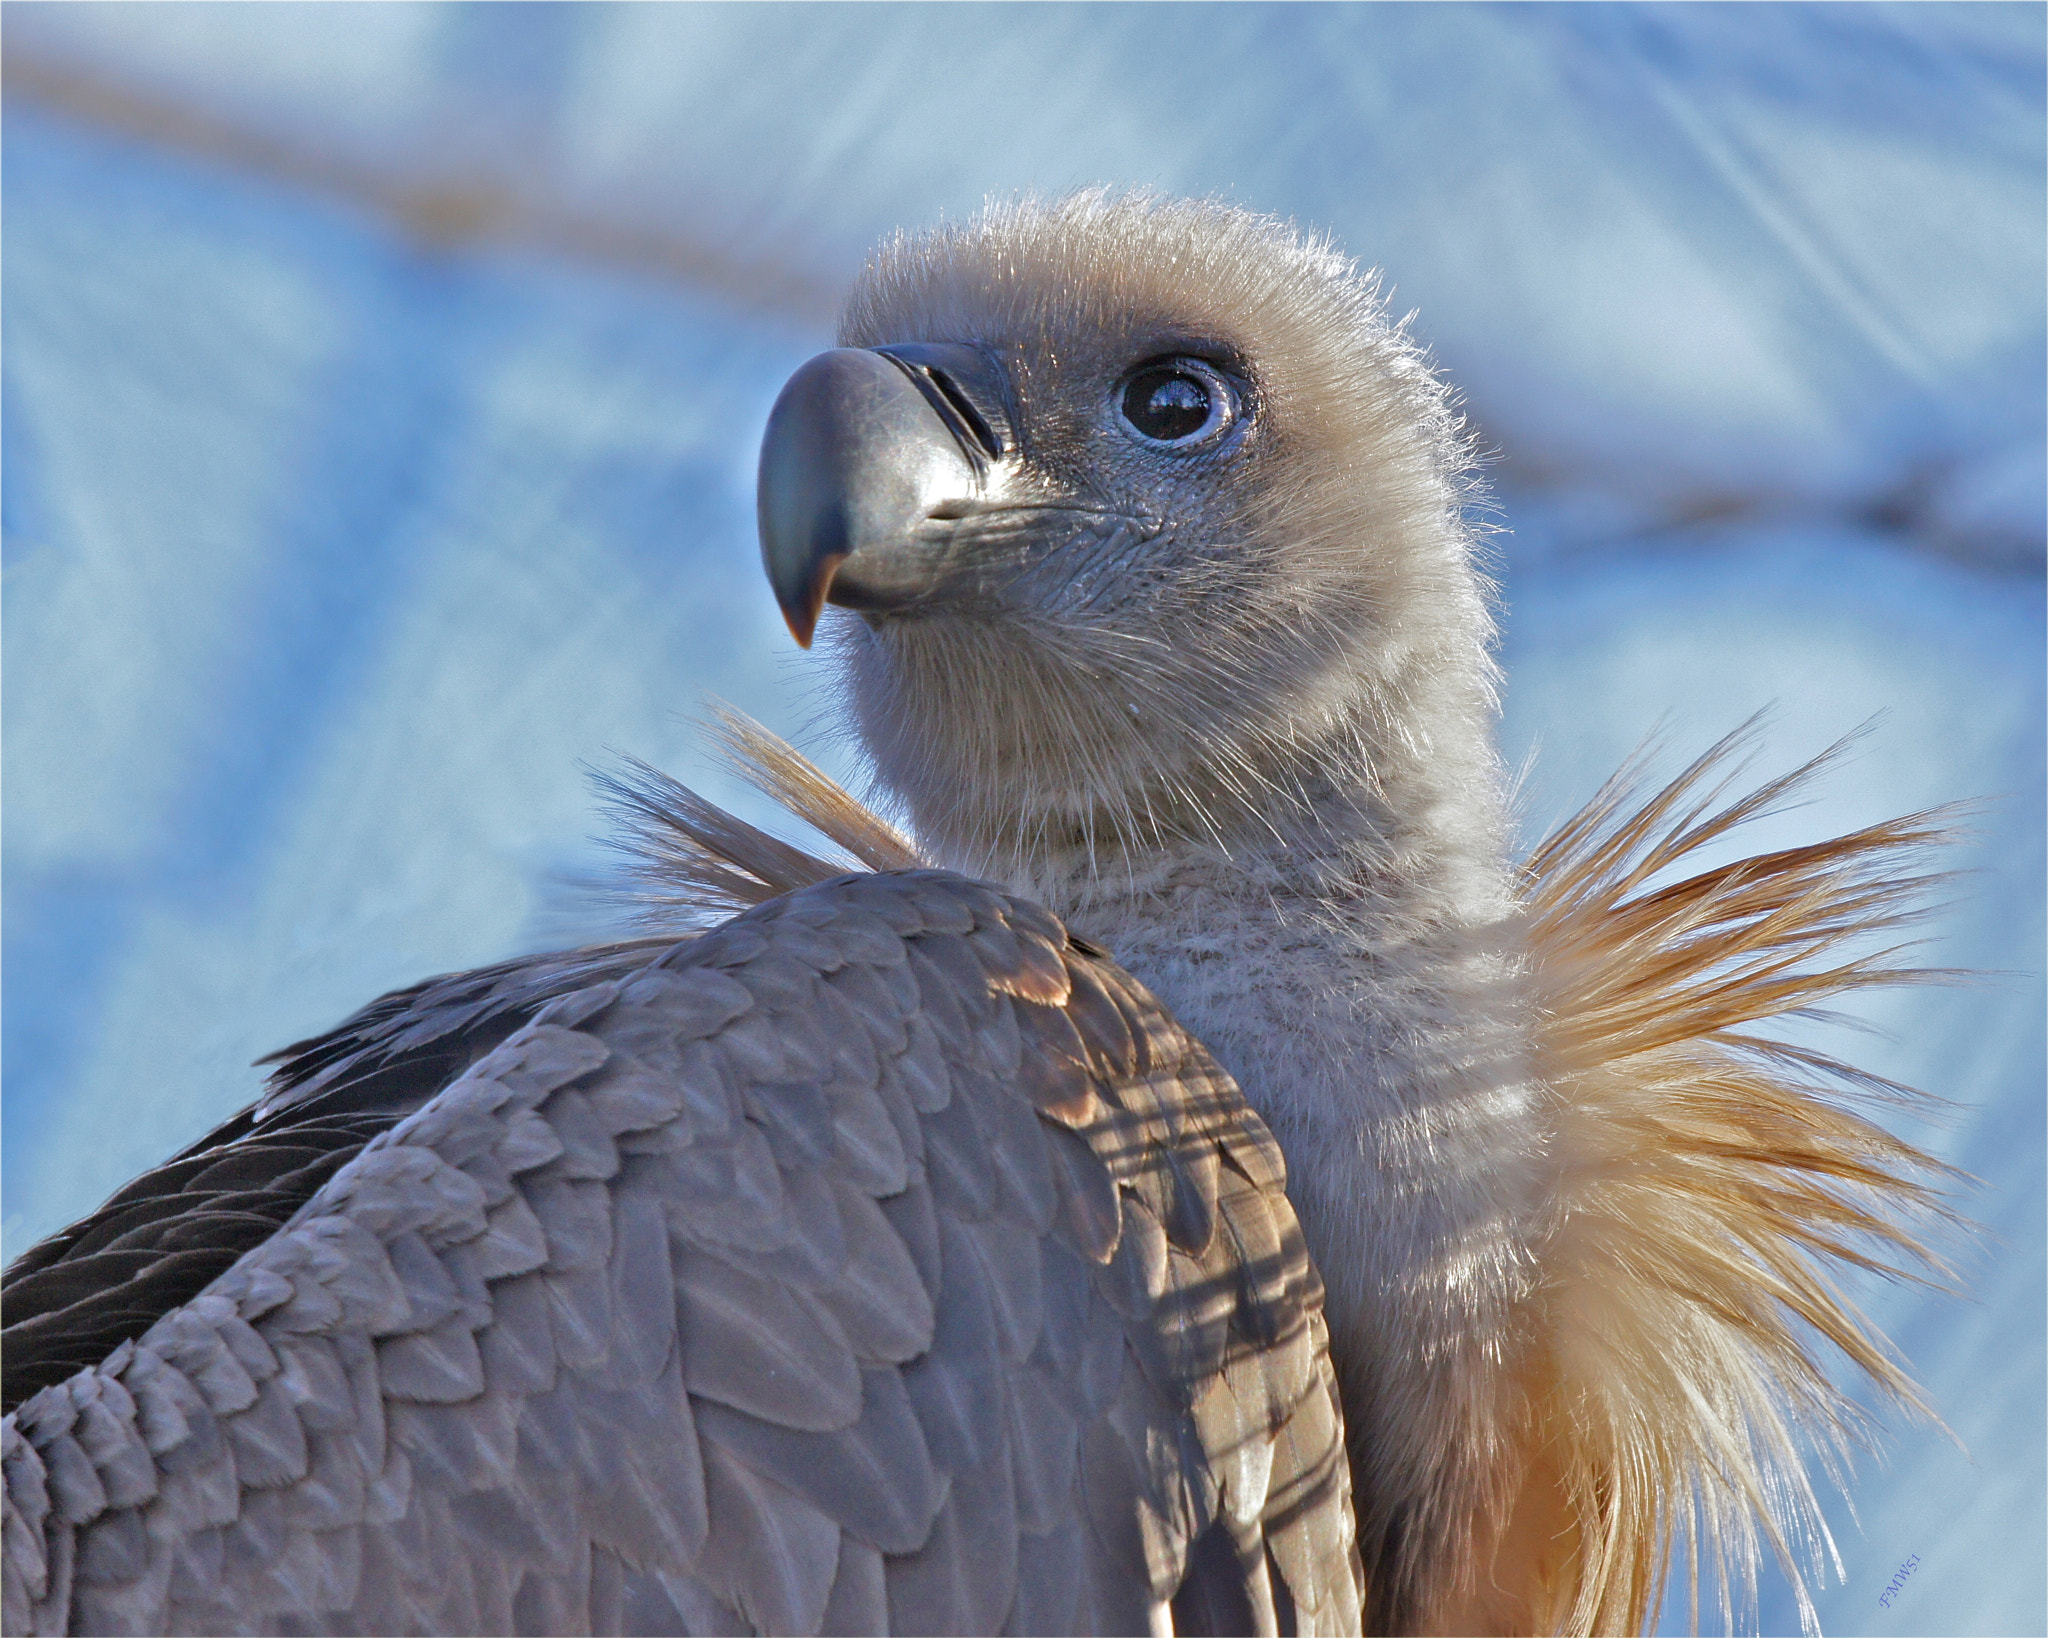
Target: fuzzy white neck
<point x="1355" y="965"/>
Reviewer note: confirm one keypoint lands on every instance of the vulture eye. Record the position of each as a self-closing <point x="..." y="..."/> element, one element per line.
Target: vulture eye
<point x="1178" y="401"/>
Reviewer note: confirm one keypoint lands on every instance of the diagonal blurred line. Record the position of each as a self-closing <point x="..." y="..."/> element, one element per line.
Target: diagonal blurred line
<point x="471" y="210"/>
<point x="1844" y="292"/>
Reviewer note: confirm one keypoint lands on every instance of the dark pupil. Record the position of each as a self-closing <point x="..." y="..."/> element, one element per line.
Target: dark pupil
<point x="1166" y="405"/>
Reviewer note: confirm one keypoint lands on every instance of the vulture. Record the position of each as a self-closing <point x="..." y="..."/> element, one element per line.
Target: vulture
<point x="1161" y="1163"/>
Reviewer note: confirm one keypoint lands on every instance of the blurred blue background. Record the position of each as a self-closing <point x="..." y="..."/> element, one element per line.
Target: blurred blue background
<point x="380" y="396"/>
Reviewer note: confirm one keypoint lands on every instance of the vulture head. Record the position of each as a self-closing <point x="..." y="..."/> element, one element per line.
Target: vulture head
<point x="1147" y="524"/>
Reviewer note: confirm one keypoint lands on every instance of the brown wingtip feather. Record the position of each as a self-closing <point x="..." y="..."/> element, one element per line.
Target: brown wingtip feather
<point x="1709" y="1180"/>
<point x="690" y="860"/>
<point x="785" y="775"/>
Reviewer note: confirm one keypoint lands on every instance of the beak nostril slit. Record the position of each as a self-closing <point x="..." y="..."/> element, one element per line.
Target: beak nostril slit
<point x="970" y="428"/>
<point x="963" y="408"/>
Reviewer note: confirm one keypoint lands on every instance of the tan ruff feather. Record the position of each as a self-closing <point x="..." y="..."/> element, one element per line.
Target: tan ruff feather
<point x="691" y="862"/>
<point x="1705" y="1176"/>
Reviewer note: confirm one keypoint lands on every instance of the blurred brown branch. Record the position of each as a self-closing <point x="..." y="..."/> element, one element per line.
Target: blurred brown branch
<point x="458" y="209"/>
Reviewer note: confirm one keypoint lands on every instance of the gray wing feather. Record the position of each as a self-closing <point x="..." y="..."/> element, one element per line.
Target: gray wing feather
<point x="878" y="1295"/>
<point x="771" y="1555"/>
<point x="874" y="1476"/>
<point x="751" y="1342"/>
<point x="880" y="1260"/>
<point x="1049" y="1592"/>
<point x="859" y="1601"/>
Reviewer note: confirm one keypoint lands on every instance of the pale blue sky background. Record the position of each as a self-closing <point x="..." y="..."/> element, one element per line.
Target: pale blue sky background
<point x="331" y="550"/>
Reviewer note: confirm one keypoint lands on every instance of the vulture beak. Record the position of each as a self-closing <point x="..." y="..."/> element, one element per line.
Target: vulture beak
<point x="869" y="454"/>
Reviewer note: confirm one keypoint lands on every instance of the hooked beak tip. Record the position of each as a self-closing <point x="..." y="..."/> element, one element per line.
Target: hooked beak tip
<point x="801" y="612"/>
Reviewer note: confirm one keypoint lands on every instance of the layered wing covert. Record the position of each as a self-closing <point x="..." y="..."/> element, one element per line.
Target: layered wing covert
<point x="881" y="1261"/>
<point x="71" y="1299"/>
